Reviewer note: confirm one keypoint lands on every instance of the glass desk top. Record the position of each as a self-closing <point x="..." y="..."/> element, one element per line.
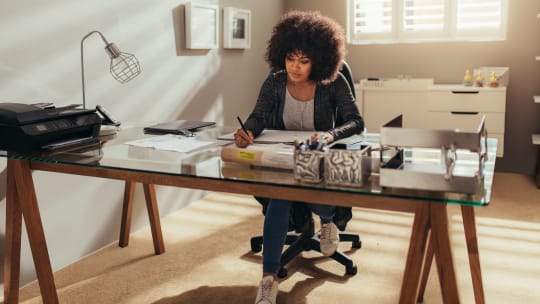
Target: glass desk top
<point x="113" y="153"/>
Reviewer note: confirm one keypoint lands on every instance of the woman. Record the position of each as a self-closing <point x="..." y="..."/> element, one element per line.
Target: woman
<point x="305" y="91"/>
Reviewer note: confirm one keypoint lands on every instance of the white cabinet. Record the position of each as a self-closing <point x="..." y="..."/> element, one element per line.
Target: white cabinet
<point x="383" y="105"/>
<point x="435" y="107"/>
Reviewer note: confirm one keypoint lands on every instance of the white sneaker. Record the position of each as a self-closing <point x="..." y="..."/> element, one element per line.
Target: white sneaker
<point x="329" y="238"/>
<point x="268" y="290"/>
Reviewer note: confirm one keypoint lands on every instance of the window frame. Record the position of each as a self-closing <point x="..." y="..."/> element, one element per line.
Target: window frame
<point x="450" y="33"/>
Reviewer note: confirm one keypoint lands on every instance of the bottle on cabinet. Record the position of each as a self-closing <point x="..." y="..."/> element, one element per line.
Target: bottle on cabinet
<point x="479" y="79"/>
<point x="493" y="80"/>
<point x="468" y="78"/>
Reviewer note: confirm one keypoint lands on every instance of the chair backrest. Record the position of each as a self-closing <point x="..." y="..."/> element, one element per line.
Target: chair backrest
<point x="346" y="71"/>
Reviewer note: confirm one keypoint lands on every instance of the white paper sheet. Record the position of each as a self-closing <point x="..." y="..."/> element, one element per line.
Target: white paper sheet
<point x="171" y="142"/>
<point x="276" y="136"/>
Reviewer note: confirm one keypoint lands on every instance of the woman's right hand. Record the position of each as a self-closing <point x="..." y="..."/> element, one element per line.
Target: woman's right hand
<point x="242" y="139"/>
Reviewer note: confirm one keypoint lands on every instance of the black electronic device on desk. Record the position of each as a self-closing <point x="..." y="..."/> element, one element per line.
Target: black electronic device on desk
<point x="179" y="127"/>
<point x="26" y="127"/>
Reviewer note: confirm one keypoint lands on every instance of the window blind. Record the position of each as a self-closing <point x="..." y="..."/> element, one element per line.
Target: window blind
<point x="373" y="16"/>
<point x="479" y="14"/>
<point x="387" y="21"/>
<point x="424" y="15"/>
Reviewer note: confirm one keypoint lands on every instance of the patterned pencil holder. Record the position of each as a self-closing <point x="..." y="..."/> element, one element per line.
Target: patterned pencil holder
<point x="309" y="165"/>
<point x="347" y="167"/>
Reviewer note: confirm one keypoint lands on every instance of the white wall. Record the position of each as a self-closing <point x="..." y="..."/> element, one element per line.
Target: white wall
<point x="40" y="61"/>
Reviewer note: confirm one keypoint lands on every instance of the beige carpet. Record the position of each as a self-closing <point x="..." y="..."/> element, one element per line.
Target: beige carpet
<point x="208" y="258"/>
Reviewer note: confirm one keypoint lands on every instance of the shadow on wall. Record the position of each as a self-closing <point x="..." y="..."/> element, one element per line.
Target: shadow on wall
<point x="170" y="81"/>
<point x="202" y="99"/>
<point x="225" y="79"/>
<point x="178" y="16"/>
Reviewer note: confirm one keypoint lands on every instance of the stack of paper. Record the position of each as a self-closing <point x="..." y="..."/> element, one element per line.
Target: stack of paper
<point x="172" y="142"/>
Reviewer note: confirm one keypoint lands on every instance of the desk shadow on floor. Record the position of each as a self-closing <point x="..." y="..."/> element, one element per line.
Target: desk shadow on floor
<point x="242" y="294"/>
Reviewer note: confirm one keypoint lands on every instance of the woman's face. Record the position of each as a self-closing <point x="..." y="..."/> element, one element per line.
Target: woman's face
<point x="298" y="67"/>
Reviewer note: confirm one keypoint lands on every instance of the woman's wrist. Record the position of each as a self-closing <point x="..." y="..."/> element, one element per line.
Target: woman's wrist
<point x="328" y="137"/>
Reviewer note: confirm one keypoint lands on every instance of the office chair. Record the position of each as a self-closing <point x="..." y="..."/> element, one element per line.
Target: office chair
<point x="301" y="220"/>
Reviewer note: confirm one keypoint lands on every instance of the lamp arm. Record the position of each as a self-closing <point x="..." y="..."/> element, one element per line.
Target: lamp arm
<point x="82" y="61"/>
<point x="123" y="67"/>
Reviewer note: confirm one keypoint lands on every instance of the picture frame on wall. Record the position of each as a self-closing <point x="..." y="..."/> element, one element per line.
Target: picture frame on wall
<point x="202" y="25"/>
<point x="236" y="28"/>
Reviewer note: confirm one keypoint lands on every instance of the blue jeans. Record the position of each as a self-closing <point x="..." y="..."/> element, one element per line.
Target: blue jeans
<point x="276" y="226"/>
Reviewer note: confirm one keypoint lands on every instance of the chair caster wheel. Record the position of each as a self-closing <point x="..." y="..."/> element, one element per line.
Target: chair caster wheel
<point x="357" y="244"/>
<point x="351" y="270"/>
<point x="282" y="273"/>
<point x="256" y="247"/>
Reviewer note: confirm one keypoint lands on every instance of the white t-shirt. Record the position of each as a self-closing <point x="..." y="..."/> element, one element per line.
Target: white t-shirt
<point x="298" y="115"/>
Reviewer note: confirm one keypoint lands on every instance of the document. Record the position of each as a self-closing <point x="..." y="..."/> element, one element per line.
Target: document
<point x="264" y="155"/>
<point x="276" y="136"/>
<point x="171" y="142"/>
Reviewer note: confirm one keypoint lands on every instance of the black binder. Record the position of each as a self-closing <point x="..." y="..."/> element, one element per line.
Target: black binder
<point x="177" y="127"/>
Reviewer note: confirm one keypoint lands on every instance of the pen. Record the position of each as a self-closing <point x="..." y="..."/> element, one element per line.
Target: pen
<point x="242" y="125"/>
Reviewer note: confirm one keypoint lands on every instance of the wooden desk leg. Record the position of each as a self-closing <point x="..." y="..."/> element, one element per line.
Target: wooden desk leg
<point x="443" y="252"/>
<point x="425" y="272"/>
<point x="469" y="225"/>
<point x="29" y="207"/>
<point x="538" y="168"/>
<point x="153" y="216"/>
<point x="12" y="251"/>
<point x="125" y="226"/>
<point x="415" y="256"/>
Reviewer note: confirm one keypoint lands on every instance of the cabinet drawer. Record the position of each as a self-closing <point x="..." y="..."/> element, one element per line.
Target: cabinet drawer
<point x="468" y="121"/>
<point x="467" y="101"/>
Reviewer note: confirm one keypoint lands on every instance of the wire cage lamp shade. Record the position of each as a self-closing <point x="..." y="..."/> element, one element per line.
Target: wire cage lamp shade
<point x="123" y="67"/>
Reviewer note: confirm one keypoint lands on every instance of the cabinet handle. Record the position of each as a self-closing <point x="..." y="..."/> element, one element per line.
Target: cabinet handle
<point x="463" y="113"/>
<point x="465" y="92"/>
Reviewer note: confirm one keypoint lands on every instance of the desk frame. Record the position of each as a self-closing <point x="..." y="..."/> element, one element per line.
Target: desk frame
<point x="430" y="223"/>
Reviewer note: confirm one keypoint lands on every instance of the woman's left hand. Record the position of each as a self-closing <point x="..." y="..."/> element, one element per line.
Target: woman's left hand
<point x="326" y="137"/>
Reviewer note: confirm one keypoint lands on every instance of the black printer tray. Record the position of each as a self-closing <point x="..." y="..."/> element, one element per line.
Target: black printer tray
<point x="22" y="114"/>
<point x="25" y="128"/>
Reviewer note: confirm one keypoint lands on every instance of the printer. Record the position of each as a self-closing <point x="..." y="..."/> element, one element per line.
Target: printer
<point x="27" y="127"/>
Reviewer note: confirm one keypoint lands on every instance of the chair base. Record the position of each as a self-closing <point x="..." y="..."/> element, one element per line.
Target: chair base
<point x="309" y="240"/>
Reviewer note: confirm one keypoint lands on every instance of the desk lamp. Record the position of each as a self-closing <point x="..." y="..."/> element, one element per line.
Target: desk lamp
<point x="124" y="66"/>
